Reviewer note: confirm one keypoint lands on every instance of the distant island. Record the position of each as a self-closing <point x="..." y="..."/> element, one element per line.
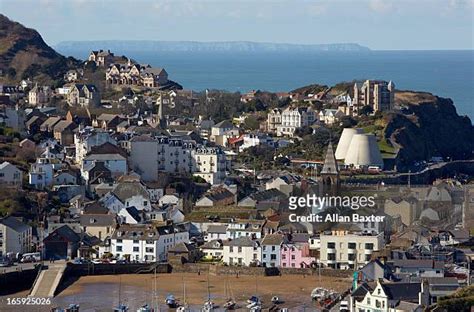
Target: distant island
<point x="196" y="46"/>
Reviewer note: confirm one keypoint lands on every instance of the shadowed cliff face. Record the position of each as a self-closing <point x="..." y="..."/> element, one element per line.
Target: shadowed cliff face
<point x="429" y="126"/>
<point x="23" y="53"/>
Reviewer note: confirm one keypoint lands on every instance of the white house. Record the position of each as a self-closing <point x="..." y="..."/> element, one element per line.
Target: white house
<point x="64" y="177"/>
<point x="250" y="140"/>
<point x="15" y="236"/>
<point x="253" y="229"/>
<point x="216" y="232"/>
<point x="213" y="249"/>
<point x="242" y="251"/>
<point x="293" y="118"/>
<point x="89" y="137"/>
<point x="396" y="297"/>
<point x="116" y="163"/>
<point x="41" y="173"/>
<point x="10" y="175"/>
<point x="145" y="242"/>
<point x="170" y="200"/>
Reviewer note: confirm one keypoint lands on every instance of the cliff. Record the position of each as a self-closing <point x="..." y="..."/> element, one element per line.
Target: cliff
<point x="23" y="53"/>
<point x="428" y="126"/>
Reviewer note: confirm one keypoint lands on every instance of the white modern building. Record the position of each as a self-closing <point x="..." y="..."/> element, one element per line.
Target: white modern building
<point x="15" y="236"/>
<point x="347" y="249"/>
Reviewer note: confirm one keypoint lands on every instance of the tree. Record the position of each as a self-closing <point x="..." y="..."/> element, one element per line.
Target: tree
<point x="90" y="66"/>
<point x="366" y="110"/>
<point x="347" y="122"/>
<point x="251" y="123"/>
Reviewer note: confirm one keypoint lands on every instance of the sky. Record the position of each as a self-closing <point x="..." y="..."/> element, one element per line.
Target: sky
<point x="377" y="24"/>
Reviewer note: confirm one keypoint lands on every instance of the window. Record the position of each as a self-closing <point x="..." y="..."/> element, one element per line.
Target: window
<point x="331" y="245"/>
<point x="119" y="241"/>
<point x="352" y="246"/>
<point x="273" y="257"/>
<point x="368" y="300"/>
<point x="231" y="249"/>
<point x="369" y="246"/>
<point x="273" y="248"/>
<point x="239" y="249"/>
<point x="136" y="241"/>
<point x="149" y="249"/>
<point x="136" y="249"/>
<point x="118" y="248"/>
<point x="293" y="257"/>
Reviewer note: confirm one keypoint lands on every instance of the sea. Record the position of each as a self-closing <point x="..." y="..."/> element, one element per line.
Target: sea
<point x="444" y="73"/>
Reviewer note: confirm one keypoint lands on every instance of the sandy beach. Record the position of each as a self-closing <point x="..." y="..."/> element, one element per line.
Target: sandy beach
<point x="295" y="290"/>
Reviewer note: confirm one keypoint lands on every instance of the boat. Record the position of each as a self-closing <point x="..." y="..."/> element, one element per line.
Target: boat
<point x="71" y="308"/>
<point x="184" y="307"/>
<point x="230" y="303"/>
<point x="170" y="301"/>
<point x="145" y="308"/>
<point x="208" y="306"/>
<point x="253" y="302"/>
<point x="121" y="308"/>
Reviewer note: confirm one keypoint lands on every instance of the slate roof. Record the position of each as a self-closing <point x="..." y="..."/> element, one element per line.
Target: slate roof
<point x="418" y="263"/>
<point x="273" y="239"/>
<point x="97" y="220"/>
<point x="220" y="229"/>
<point x="224" y="124"/>
<point x="126" y="190"/>
<point x="212" y="244"/>
<point x="243" y="241"/>
<point x="134" y="213"/>
<point x="14" y="224"/>
<point x="267" y="194"/>
<point x="402" y="291"/>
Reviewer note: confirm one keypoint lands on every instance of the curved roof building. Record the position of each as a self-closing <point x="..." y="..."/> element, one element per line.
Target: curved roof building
<point x="363" y="152"/>
<point x="345" y="141"/>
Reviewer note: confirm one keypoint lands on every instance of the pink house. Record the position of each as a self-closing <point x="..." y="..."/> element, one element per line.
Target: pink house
<point x="296" y="255"/>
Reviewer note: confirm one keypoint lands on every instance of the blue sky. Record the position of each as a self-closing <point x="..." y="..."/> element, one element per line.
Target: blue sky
<point x="378" y="24"/>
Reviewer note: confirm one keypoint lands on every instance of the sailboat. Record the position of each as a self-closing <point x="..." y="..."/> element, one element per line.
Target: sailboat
<point x="121" y="307"/>
<point x="171" y="301"/>
<point x="230" y="303"/>
<point x="184" y="307"/>
<point x="145" y="308"/>
<point x="254" y="302"/>
<point x="208" y="305"/>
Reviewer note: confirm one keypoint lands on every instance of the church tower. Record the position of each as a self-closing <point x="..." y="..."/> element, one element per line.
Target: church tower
<point x="329" y="178"/>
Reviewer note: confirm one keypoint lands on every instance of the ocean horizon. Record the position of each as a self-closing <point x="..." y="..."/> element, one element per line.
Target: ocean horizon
<point x="445" y="73"/>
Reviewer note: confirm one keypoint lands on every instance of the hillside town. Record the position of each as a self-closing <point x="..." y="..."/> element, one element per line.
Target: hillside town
<point x="120" y="165"/>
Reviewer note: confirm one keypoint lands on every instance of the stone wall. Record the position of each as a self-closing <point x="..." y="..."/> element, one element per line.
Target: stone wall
<point x="217" y="269"/>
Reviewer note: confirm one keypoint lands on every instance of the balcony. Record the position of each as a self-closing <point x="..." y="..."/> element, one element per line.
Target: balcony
<point x="351" y="250"/>
<point x="331" y="262"/>
<point x="368" y="251"/>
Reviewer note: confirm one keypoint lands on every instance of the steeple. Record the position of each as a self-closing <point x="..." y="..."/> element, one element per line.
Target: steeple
<point x="329" y="181"/>
<point x="330" y="163"/>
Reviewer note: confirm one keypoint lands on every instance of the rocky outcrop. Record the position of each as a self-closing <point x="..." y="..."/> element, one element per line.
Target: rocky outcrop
<point x="23" y="53"/>
<point x="428" y="126"/>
